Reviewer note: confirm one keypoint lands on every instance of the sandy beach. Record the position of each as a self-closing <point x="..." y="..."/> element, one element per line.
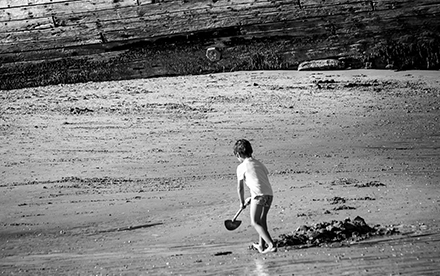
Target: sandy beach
<point x="137" y="177"/>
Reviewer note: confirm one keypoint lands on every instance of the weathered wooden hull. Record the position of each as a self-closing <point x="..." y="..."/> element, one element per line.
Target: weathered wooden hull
<point x="64" y="41"/>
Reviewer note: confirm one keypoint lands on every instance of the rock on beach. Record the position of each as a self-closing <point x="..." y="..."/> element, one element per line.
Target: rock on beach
<point x="322" y="64"/>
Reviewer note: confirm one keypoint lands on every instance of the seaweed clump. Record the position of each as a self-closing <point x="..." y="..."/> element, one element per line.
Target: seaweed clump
<point x="325" y="233"/>
<point x="409" y="51"/>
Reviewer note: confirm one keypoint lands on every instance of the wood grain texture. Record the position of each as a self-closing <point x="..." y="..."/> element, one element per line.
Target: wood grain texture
<point x="136" y="23"/>
<point x="33" y="30"/>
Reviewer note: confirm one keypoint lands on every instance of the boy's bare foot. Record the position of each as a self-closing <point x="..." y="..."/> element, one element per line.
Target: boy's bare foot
<point x="258" y="247"/>
<point x="269" y="249"/>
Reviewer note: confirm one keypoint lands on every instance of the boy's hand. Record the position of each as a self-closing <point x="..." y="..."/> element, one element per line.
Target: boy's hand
<point x="246" y="202"/>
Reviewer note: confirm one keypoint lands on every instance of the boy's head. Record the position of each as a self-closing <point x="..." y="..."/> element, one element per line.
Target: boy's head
<point x="243" y="148"/>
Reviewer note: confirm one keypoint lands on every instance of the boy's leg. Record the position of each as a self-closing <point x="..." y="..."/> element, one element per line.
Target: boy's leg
<point x="254" y="216"/>
<point x="264" y="220"/>
<point x="259" y="222"/>
<point x="270" y="247"/>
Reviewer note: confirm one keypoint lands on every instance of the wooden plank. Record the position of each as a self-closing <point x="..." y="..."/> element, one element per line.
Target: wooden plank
<point x="119" y="24"/>
<point x="21" y="3"/>
<point x="140" y="29"/>
<point x="158" y="10"/>
<point x="241" y="17"/>
<point x="60" y="8"/>
<point x="129" y="15"/>
<point x="329" y="3"/>
<point x="390" y="3"/>
<point x="148" y="11"/>
<point x="333" y="27"/>
<point x="192" y="2"/>
<point x="76" y="10"/>
<point x="403" y="4"/>
<point x="71" y="33"/>
<point x="31" y="24"/>
<point x="6" y="4"/>
<point x="49" y="44"/>
<point x="86" y="13"/>
<point x="336" y="26"/>
<point x="315" y="26"/>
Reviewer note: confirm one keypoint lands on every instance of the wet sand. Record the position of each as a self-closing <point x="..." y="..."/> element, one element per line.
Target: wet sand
<point x="137" y="177"/>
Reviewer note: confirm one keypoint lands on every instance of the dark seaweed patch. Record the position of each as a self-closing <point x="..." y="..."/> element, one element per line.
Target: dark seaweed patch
<point x="325" y="233"/>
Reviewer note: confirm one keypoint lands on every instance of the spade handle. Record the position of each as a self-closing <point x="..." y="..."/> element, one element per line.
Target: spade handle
<point x="241" y="209"/>
<point x="237" y="214"/>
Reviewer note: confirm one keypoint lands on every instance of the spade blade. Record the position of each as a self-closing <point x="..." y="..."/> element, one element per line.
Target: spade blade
<point x="232" y="225"/>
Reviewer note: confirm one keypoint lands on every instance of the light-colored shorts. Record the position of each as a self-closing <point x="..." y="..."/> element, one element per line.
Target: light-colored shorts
<point x="264" y="200"/>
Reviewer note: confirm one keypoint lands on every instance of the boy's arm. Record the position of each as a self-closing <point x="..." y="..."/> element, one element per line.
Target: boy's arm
<point x="240" y="190"/>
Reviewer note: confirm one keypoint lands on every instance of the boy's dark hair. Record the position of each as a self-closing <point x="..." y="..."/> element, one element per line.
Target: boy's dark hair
<point x="243" y="148"/>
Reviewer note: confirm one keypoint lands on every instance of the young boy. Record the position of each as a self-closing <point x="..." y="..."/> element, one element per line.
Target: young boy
<point x="254" y="174"/>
